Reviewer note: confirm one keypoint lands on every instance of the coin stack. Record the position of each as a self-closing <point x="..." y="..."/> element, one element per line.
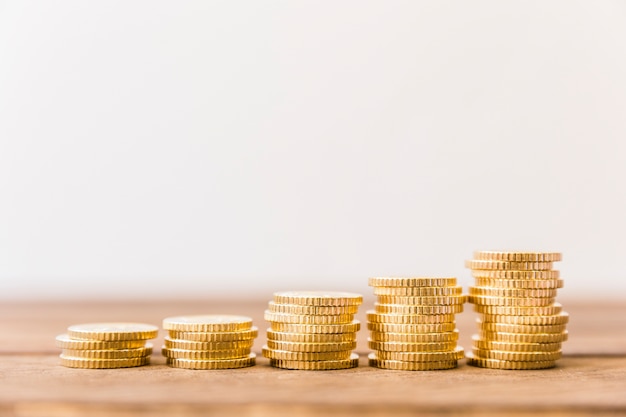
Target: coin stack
<point x="413" y="326"/>
<point x="106" y="345"/>
<point x="312" y="330"/>
<point x="209" y="342"/>
<point x="522" y="327"/>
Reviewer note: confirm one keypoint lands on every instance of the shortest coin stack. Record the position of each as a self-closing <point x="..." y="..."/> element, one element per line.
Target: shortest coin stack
<point x="209" y="342"/>
<point x="312" y="330"/>
<point x="106" y="345"/>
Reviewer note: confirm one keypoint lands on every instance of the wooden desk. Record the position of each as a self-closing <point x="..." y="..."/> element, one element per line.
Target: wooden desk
<point x="589" y="380"/>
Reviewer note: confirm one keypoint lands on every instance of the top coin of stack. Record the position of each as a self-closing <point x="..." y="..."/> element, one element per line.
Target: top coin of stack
<point x="522" y="327"/>
<point x="312" y="330"/>
<point x="413" y="325"/>
<point x="209" y="342"/>
<point x="106" y="345"/>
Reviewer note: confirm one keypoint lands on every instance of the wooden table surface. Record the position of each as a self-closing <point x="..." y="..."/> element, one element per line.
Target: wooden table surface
<point x="589" y="380"/>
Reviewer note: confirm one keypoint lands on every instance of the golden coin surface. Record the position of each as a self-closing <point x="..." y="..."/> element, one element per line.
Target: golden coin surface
<point x="208" y="323"/>
<point x="307" y="319"/>
<point x="515" y="275"/>
<point x="113" y="331"/>
<point x="311" y="347"/>
<point x="109" y="353"/>
<point x="376" y="362"/>
<point x="484" y="300"/>
<point x="193" y="345"/>
<point x="351" y="327"/>
<point x="521" y="328"/>
<point x="64" y="341"/>
<point x="411" y="347"/>
<point x="411" y="328"/>
<point x="419" y="291"/>
<point x="204" y="354"/>
<point x="415" y="337"/>
<point x="454" y="300"/>
<point x="512" y="292"/>
<point x="312" y="310"/>
<point x="71" y="362"/>
<point x="215" y="336"/>
<point x="351" y="362"/>
<point x="535" y="284"/>
<point x="497" y="364"/>
<point x="515" y="347"/>
<point x="249" y="360"/>
<point x="562" y="318"/>
<point x="376" y="317"/>
<point x="550" y="310"/>
<point x="310" y="337"/>
<point x="525" y="338"/>
<point x="417" y="309"/>
<point x="407" y="356"/>
<point x="516" y="356"/>
<point x="517" y="266"/>
<point x="305" y="356"/>
<point x="492" y="255"/>
<point x="318" y="298"/>
<point x="412" y="281"/>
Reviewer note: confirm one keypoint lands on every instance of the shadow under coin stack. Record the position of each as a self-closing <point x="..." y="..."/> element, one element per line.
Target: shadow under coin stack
<point x="209" y="342"/>
<point x="413" y="325"/>
<point x="522" y="327"/>
<point x="106" y="345"/>
<point x="312" y="330"/>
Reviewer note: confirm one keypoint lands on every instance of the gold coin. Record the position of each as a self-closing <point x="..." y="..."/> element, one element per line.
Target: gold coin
<point x="512" y="292"/>
<point x="375" y="362"/>
<point x="520" y="283"/>
<point x="422" y="301"/>
<point x="515" y="347"/>
<point x="497" y="364"/>
<point x="215" y="336"/>
<point x="516" y="356"/>
<point x="416" y="309"/>
<point x="376" y="317"/>
<point x="515" y="275"/>
<point x="561" y="318"/>
<point x="113" y="331"/>
<point x="412" y="282"/>
<point x="310" y="337"/>
<point x="405" y="356"/>
<point x="415" y="337"/>
<point x="208" y="323"/>
<point x="64" y="341"/>
<point x="518" y="266"/>
<point x="71" y="362"/>
<point x="524" y="337"/>
<point x="312" y="310"/>
<point x="550" y="310"/>
<point x="510" y="301"/>
<point x="351" y="362"/>
<point x="520" y="328"/>
<point x="193" y="345"/>
<point x="351" y="327"/>
<point x="419" y="291"/>
<point x="411" y="328"/>
<point x="411" y="347"/>
<point x="249" y="360"/>
<point x="204" y="354"/>
<point x="305" y="356"/>
<point x="307" y="319"/>
<point x="109" y="354"/>
<point x="489" y="255"/>
<point x="311" y="347"/>
<point x="318" y="298"/>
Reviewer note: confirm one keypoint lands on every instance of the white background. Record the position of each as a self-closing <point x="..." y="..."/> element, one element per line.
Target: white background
<point x="198" y="148"/>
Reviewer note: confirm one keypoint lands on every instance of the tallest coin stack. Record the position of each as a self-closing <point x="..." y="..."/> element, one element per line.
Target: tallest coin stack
<point x="522" y="327"/>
